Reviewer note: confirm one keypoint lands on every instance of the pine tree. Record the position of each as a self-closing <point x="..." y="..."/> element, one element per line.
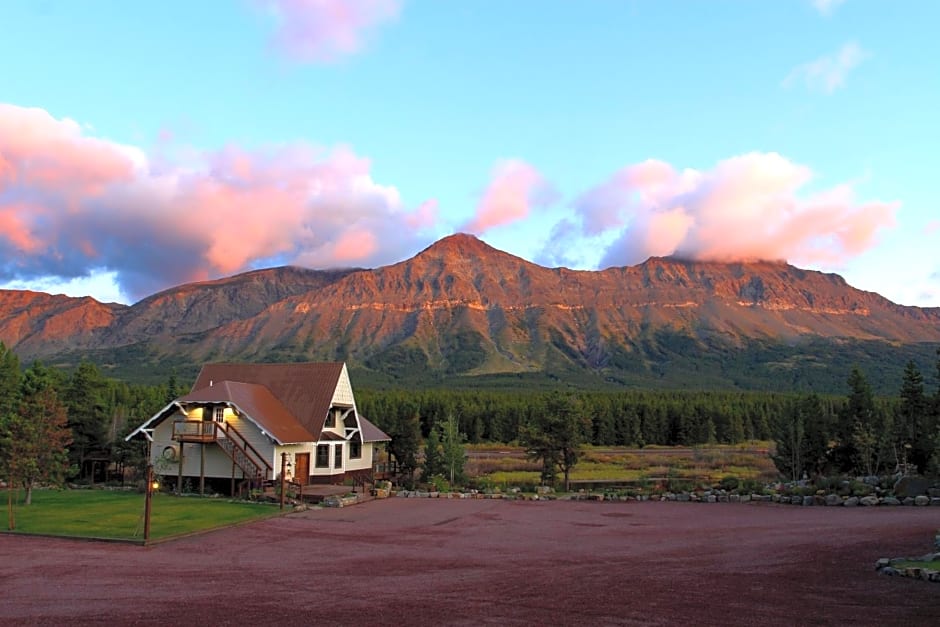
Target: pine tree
<point x="913" y="439"/>
<point x="84" y="398"/>
<point x="406" y="437"/>
<point x="555" y="435"/>
<point x="433" y="457"/>
<point x="9" y="380"/>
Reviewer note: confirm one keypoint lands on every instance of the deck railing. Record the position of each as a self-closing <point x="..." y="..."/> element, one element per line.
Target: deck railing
<point x="229" y="438"/>
<point x="194" y="430"/>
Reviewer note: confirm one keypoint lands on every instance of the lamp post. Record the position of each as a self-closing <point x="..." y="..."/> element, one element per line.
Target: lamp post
<point x="151" y="484"/>
<point x="284" y="465"/>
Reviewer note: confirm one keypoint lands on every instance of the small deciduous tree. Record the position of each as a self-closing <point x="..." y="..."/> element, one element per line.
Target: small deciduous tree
<point x="34" y="440"/>
<point x="453" y="453"/>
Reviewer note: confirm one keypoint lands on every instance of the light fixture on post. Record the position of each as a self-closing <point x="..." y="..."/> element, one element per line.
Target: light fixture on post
<point x="152" y="484"/>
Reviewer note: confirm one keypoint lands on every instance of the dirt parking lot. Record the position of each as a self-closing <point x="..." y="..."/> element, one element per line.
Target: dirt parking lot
<point x="469" y="562"/>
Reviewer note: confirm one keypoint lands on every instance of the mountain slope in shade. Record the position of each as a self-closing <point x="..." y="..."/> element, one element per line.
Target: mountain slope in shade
<point x="462" y="307"/>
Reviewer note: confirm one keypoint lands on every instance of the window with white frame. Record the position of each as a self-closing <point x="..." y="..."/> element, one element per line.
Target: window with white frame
<point x="219" y="414"/>
<point x="323" y="456"/>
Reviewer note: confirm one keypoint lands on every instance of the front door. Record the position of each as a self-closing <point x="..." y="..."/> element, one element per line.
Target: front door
<point x="302" y="468"/>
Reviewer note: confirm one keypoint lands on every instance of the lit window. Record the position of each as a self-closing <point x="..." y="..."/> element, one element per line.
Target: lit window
<point x="220" y="414"/>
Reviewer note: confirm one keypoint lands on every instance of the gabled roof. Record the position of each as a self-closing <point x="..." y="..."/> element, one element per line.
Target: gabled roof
<point x="304" y="389"/>
<point x="258" y="405"/>
<point x="371" y="433"/>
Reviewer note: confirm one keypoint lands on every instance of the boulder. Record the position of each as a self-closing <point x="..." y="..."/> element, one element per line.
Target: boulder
<point x="911" y="486"/>
<point x="833" y="499"/>
<point x="852" y="501"/>
<point x="796" y="500"/>
<point x="889" y="500"/>
<point x="908" y="500"/>
<point x="809" y="500"/>
<point x="868" y="501"/>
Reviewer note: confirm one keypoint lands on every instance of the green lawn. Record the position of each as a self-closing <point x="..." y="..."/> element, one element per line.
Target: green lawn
<point x="116" y="514"/>
<point x="934" y="565"/>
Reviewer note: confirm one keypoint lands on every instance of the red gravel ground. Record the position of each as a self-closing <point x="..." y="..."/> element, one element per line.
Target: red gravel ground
<point x="467" y="562"/>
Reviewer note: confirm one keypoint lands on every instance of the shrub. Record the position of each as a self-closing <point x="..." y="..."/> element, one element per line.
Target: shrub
<point x="728" y="483"/>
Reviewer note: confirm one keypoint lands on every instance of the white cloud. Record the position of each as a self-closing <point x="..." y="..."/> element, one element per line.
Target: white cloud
<point x="826" y="7"/>
<point x="828" y="72"/>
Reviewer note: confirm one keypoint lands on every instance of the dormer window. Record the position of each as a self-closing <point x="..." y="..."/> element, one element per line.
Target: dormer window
<point x="219" y="414"/>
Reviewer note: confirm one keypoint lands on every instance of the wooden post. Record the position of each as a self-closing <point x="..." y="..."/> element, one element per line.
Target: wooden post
<point x="148" y="497"/>
<point x="179" y="480"/>
<point x="283" y="478"/>
<point x="202" y="469"/>
<point x="12" y="520"/>
<point x="233" y="479"/>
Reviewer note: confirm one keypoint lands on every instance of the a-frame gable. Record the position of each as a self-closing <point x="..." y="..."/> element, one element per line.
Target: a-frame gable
<point x="343" y="394"/>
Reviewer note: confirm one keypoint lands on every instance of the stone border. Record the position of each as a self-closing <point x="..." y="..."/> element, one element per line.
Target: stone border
<point x="891" y="568"/>
<point x="708" y="496"/>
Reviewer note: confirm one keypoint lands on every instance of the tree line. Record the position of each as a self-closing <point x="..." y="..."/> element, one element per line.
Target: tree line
<point x="858" y="434"/>
<point x="57" y="425"/>
<point x="862" y="435"/>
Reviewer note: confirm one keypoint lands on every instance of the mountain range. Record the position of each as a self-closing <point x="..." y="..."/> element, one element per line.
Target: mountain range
<point x="463" y="313"/>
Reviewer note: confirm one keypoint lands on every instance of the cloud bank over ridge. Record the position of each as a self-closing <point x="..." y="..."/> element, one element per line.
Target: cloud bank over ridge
<point x="72" y="204"/>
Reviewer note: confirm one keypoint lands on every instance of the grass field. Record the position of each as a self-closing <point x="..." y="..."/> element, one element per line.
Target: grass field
<point x="666" y="467"/>
<point x="119" y="515"/>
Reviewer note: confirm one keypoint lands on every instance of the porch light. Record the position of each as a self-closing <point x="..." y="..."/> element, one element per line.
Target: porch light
<point x="154" y="485"/>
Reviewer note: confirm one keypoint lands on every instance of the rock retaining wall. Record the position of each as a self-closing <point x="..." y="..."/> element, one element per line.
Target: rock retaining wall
<point x="896" y="567"/>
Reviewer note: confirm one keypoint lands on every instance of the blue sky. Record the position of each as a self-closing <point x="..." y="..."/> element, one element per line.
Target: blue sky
<point x="147" y="144"/>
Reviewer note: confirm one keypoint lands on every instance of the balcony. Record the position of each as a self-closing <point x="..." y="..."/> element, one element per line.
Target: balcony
<point x="200" y="431"/>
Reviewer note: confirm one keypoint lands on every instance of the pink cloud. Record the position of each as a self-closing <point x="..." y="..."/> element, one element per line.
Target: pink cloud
<point x="325" y="30"/>
<point x="751" y="206"/>
<point x="932" y="227"/>
<point x="515" y="187"/>
<point x="93" y="204"/>
<point x="39" y="150"/>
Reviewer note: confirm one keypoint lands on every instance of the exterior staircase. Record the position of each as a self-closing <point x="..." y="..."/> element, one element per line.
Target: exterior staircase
<point x="246" y="457"/>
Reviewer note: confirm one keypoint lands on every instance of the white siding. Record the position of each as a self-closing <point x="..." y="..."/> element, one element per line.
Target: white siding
<point x="292" y="450"/>
<point x="217" y="461"/>
<point x="363" y="462"/>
